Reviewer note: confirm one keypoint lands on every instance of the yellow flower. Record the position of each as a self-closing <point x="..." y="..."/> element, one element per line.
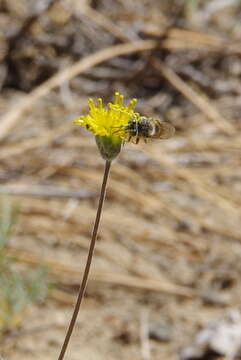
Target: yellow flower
<point x="110" y="120"/>
<point x="108" y="124"/>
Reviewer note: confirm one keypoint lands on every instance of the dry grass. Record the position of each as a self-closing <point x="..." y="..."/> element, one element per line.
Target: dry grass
<point x="170" y="234"/>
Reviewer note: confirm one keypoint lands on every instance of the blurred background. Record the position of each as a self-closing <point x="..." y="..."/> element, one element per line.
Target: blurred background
<point x="165" y="282"/>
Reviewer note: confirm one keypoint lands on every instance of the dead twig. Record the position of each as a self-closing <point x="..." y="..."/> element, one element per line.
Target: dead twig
<point x="144" y="336"/>
<point x="45" y="191"/>
<point x="34" y="142"/>
<point x="70" y="272"/>
<point x="181" y="39"/>
<point x="10" y="119"/>
<point x="198" y="100"/>
<point x="105" y="23"/>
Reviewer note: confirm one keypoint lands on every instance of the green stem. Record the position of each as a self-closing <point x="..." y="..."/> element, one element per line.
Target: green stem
<point x="88" y="262"/>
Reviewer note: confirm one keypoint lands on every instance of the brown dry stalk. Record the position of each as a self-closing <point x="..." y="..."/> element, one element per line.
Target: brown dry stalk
<point x="70" y="274"/>
<point x="88" y="262"/>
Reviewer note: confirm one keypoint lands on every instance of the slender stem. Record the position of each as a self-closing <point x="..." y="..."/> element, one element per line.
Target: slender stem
<point x="88" y="262"/>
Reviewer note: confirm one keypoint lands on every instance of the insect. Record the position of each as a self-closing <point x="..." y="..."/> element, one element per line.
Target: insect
<point x="144" y="127"/>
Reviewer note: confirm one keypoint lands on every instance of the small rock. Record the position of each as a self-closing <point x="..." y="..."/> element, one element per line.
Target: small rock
<point x="160" y="332"/>
<point x="221" y="337"/>
<point x="210" y="297"/>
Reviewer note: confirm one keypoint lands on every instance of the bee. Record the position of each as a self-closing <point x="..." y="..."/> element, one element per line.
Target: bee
<point x="142" y="127"/>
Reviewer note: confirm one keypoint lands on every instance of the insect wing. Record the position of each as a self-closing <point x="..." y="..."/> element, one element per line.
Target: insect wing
<point x="166" y="130"/>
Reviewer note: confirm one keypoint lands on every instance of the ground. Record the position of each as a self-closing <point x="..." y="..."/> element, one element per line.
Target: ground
<point x="167" y="259"/>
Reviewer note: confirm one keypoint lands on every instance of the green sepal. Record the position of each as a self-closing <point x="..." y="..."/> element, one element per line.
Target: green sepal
<point x="109" y="146"/>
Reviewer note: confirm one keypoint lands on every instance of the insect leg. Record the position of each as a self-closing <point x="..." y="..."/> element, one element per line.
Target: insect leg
<point x="137" y="133"/>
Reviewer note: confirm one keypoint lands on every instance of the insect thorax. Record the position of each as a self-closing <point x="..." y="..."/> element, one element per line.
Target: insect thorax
<point x="142" y="127"/>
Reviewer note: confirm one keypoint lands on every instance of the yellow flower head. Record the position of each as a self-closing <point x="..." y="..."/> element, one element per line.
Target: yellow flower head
<point x="110" y="120"/>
